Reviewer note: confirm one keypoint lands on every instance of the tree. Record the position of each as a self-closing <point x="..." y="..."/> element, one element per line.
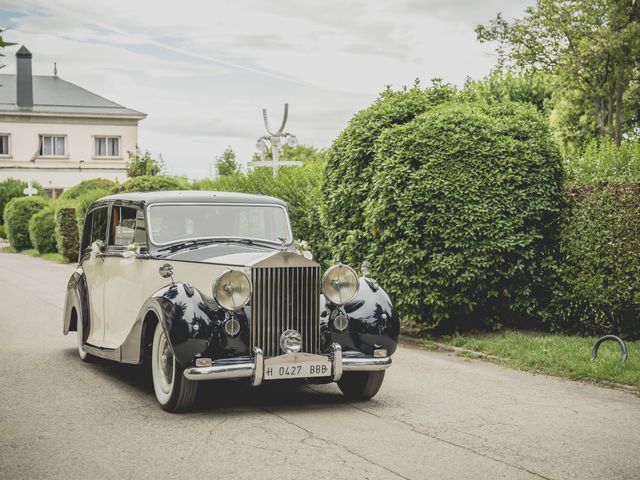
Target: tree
<point x="593" y="48"/>
<point x="226" y="163"/>
<point x="4" y="44"/>
<point x="300" y="153"/>
<point x="141" y="163"/>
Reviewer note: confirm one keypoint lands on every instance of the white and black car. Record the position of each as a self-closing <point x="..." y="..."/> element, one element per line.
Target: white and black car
<point x="209" y="285"/>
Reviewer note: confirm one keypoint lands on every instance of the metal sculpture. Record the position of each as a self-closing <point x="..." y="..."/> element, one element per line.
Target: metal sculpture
<point x="623" y="347"/>
<point x="275" y="140"/>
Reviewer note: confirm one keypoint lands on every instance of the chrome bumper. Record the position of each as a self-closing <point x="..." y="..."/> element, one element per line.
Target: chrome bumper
<point x="254" y="369"/>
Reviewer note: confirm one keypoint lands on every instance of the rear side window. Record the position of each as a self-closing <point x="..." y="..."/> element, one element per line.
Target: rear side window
<point x="99" y="225"/>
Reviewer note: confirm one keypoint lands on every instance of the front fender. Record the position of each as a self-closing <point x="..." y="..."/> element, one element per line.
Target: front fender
<point x="373" y="321"/>
<point x="75" y="298"/>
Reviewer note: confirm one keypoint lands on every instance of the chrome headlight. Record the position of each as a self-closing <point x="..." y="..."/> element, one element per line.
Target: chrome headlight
<point x="340" y="284"/>
<point x="232" y="290"/>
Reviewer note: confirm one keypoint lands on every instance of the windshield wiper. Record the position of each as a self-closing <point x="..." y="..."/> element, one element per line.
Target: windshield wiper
<point x="206" y="241"/>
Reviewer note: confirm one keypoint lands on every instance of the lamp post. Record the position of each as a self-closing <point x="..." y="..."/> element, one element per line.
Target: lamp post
<point x="276" y="140"/>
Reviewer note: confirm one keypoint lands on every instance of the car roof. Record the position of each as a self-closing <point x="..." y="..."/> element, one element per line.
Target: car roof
<point x="192" y="196"/>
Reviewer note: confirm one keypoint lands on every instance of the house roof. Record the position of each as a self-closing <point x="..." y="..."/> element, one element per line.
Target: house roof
<point x="53" y="95"/>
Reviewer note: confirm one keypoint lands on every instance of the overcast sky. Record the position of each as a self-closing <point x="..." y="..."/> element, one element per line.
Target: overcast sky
<point x="203" y="70"/>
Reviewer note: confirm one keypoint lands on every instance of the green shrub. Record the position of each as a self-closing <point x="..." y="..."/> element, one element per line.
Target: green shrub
<point x="298" y="186"/>
<point x="12" y="188"/>
<point x="599" y="288"/>
<point x="17" y="214"/>
<point x="461" y="215"/>
<point x="153" y="183"/>
<point x="3" y="234"/>
<point x="87" y="186"/>
<point x="603" y="161"/>
<point x="42" y="230"/>
<point x="66" y="230"/>
<point x="351" y="164"/>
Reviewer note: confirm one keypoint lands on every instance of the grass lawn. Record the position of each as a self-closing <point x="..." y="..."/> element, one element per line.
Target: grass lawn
<point x="551" y="354"/>
<point x="32" y="252"/>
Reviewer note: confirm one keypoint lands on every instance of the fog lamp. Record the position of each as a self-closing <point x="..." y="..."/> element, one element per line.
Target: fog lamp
<point x="291" y="341"/>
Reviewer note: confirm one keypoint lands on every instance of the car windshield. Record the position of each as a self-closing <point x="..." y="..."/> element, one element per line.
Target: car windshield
<point x="183" y="222"/>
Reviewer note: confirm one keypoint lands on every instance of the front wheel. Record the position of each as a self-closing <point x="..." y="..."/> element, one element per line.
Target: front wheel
<point x="361" y="385"/>
<point x="174" y="392"/>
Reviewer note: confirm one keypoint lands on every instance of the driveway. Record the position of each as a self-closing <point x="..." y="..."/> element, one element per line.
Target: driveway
<point x="437" y="416"/>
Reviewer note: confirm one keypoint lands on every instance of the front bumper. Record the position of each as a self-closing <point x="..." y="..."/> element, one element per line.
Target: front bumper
<point x="254" y="368"/>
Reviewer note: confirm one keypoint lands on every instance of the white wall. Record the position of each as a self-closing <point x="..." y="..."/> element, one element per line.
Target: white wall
<point x="79" y="162"/>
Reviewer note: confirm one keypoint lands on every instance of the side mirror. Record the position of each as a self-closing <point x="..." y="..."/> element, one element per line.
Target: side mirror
<point x="166" y="271"/>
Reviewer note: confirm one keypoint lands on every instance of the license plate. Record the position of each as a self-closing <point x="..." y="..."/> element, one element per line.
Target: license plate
<point x="297" y="370"/>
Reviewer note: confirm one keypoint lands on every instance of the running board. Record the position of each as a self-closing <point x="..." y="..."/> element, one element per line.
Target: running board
<point x="106" y="353"/>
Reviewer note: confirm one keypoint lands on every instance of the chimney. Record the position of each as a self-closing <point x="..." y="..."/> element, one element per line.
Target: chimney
<point x="24" y="79"/>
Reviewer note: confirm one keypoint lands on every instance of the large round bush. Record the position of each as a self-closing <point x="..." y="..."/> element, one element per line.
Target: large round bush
<point x="152" y="183"/>
<point x="461" y="215"/>
<point x="351" y="164"/>
<point x="10" y="189"/>
<point x="87" y="186"/>
<point x="599" y="288"/>
<point x="17" y="214"/>
<point x="42" y="230"/>
<point x="66" y="229"/>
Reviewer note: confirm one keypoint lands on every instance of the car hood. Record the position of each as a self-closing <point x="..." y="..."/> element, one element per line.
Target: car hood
<point x="240" y="255"/>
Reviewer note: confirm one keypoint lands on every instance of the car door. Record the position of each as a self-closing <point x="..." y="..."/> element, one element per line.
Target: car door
<point x="125" y="287"/>
<point x="94" y="271"/>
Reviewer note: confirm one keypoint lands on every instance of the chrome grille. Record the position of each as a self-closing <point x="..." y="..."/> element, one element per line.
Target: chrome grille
<point x="284" y="298"/>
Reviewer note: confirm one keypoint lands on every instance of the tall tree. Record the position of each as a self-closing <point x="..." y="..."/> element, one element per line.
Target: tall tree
<point x="226" y="163"/>
<point x="592" y="46"/>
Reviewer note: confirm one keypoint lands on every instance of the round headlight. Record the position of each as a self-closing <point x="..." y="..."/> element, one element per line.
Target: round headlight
<point x="340" y="284"/>
<point x="232" y="290"/>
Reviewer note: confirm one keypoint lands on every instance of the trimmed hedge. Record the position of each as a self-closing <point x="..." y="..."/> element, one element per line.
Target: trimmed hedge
<point x="10" y="189"/>
<point x="17" y="214"/>
<point x="150" y="183"/>
<point x="87" y="186"/>
<point x="42" y="230"/>
<point x="3" y="234"/>
<point x="460" y="215"/>
<point x="351" y="164"/>
<point x="599" y="288"/>
<point x="66" y="230"/>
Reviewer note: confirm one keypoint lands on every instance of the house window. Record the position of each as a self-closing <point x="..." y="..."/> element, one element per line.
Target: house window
<point x="4" y="144"/>
<point x="107" y="146"/>
<point x="52" y="145"/>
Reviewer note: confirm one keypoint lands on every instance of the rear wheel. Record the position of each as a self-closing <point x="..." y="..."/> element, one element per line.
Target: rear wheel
<point x="361" y="385"/>
<point x="174" y="392"/>
<point x="84" y="356"/>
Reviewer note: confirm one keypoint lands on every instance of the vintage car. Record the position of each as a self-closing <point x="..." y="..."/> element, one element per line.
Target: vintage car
<point x="209" y="286"/>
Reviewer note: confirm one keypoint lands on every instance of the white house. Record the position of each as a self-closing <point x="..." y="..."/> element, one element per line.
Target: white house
<point x="56" y="133"/>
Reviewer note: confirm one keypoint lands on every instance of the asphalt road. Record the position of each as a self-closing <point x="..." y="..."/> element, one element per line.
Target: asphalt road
<point x="436" y="417"/>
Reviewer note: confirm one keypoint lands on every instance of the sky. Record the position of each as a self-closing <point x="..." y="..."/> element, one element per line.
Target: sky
<point x="203" y="70"/>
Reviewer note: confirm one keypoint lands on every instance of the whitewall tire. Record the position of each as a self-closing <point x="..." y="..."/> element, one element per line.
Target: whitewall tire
<point x="84" y="356"/>
<point x="173" y="391"/>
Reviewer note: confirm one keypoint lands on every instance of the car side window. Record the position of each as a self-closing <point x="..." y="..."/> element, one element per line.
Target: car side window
<point x="99" y="225"/>
<point x="127" y="226"/>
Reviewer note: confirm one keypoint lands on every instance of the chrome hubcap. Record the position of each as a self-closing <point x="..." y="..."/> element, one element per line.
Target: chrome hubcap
<point x="165" y="363"/>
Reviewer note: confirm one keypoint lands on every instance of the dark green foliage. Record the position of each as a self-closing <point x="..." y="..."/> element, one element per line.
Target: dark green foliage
<point x="17" y="214"/>
<point x="12" y="188"/>
<point x="298" y="186"/>
<point x="42" y="230"/>
<point x="351" y="164"/>
<point x="87" y="186"/>
<point x="153" y="183"/>
<point x="3" y="233"/>
<point x="599" y="289"/>
<point x="460" y="215"/>
<point x="66" y="230"/>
